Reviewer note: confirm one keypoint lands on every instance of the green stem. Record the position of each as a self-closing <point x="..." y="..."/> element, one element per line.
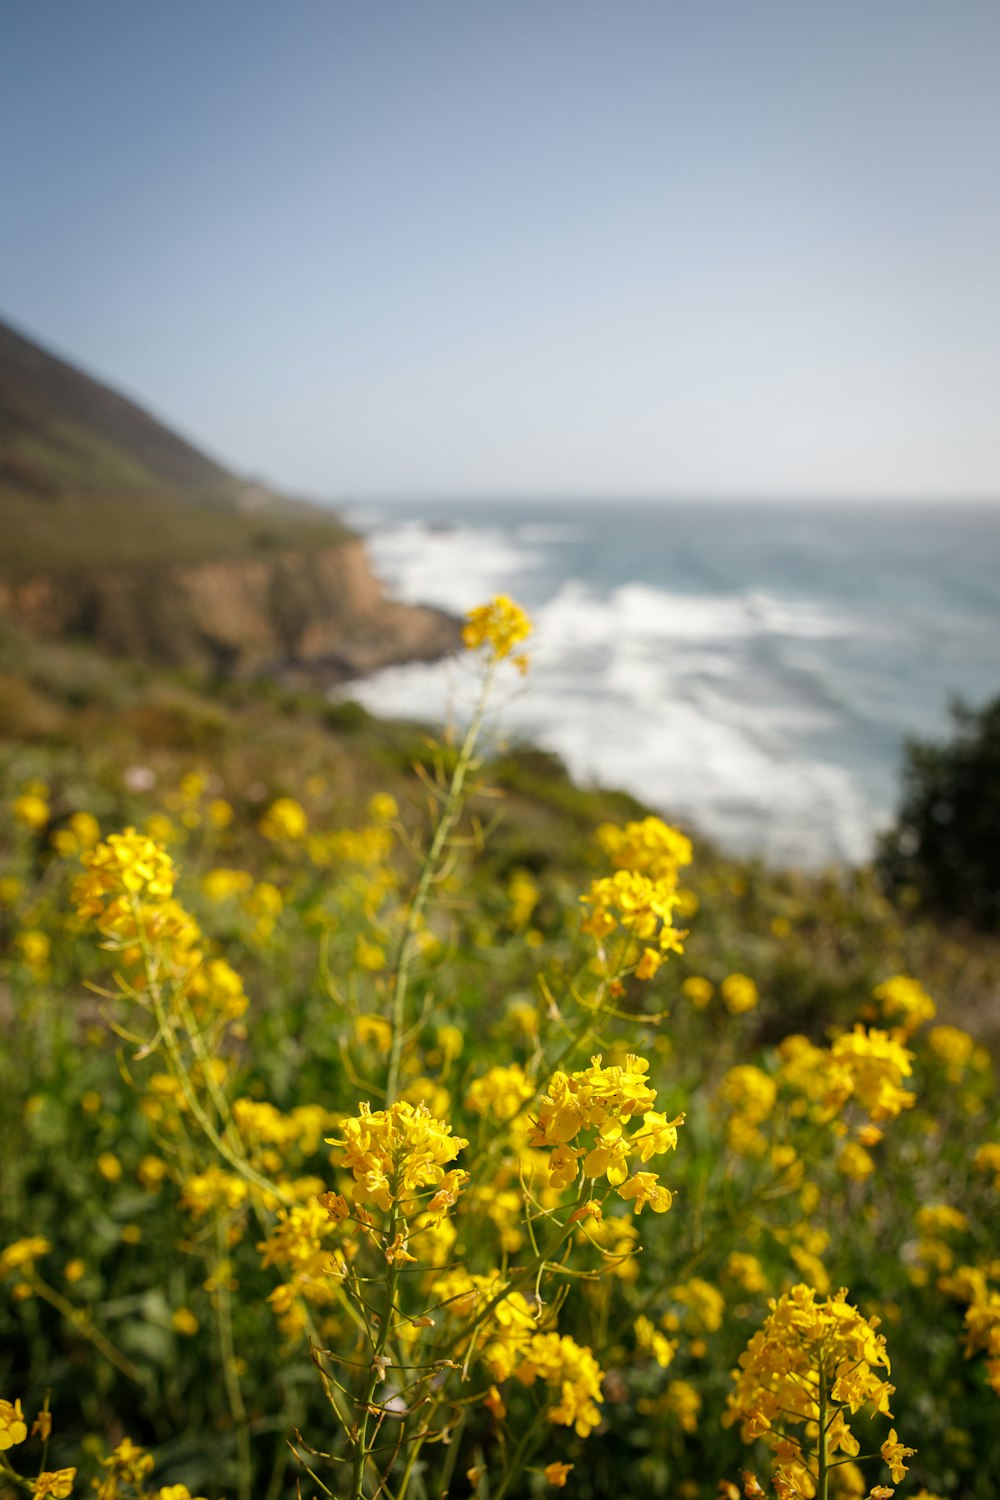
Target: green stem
<point x="513" y="1469"/>
<point x="82" y="1323"/>
<point x="822" y="1483"/>
<point x="181" y="1073"/>
<point x="376" y="1372"/>
<point x="230" y="1375"/>
<point x="446" y="822"/>
<point x="14" y="1476"/>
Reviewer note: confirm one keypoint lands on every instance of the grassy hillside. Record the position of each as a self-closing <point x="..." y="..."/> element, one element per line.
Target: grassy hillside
<point x="88" y="478"/>
<point x="173" y="1107"/>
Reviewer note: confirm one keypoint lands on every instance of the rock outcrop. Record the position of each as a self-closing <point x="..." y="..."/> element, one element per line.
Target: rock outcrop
<point x="114" y="528"/>
<point x="318" y="617"/>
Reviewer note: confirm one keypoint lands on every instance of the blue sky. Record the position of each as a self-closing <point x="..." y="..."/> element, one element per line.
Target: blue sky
<point x="549" y="247"/>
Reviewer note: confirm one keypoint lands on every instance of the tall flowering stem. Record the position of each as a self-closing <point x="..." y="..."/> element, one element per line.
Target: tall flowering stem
<point x="811" y="1366"/>
<point x="495" y="628"/>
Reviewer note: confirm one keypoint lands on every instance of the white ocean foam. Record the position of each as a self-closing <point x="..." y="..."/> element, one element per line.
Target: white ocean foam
<point x="452" y="567"/>
<point x="645" y="689"/>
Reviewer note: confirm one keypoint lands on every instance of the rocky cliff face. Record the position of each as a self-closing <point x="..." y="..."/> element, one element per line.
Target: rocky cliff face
<point x="114" y="528"/>
<point x="317" y="617"/>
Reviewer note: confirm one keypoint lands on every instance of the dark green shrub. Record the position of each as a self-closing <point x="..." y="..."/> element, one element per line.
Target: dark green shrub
<point x="944" y="850"/>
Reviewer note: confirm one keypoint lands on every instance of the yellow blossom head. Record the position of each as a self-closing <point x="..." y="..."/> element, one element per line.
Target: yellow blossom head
<point x="499" y="626"/>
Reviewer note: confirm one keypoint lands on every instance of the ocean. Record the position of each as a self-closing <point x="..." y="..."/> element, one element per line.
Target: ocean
<point x="750" y="670"/>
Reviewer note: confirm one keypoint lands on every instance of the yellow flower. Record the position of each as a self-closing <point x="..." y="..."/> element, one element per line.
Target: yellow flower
<point x="13" y="1428"/>
<point x="220" y="884"/>
<point x="22" y="1254"/>
<point x="35" y="948"/>
<point x="683" y="1401"/>
<point x="556" y="1474"/>
<point x="56" y="1482"/>
<point x="698" y="990"/>
<point x="953" y="1046"/>
<point x="183" y="1321"/>
<point x="368" y="955"/>
<point x="284" y="819"/>
<point x="739" y="994"/>
<point x="109" y="1166"/>
<point x="893" y="1453"/>
<point x="220" y="813"/>
<point x="374" y="1030"/>
<point x="570" y="1369"/>
<point x="451" y="1041"/>
<point x="395" y="1152"/>
<point x="128" y="865"/>
<point x="151" y="1172"/>
<point x="499" y="626"/>
<point x="648" y="964"/>
<point x="500" y="1092"/>
<point x="987" y="1159"/>
<point x="32" y="811"/>
<point x="643" y="1188"/>
<point x="747" y="1271"/>
<point x="803" y="1346"/>
<point x="82" y="832"/>
<point x="904" y="999"/>
<point x="855" y="1162"/>
<point x="382" y="807"/>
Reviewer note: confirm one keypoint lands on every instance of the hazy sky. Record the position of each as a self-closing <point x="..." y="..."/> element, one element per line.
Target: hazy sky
<point x="522" y="246"/>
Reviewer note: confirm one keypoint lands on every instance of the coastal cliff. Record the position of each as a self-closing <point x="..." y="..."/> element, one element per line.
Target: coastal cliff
<point x="320" y="616"/>
<point x="117" y="530"/>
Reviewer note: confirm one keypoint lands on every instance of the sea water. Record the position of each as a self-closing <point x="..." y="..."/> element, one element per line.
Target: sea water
<point x="751" y="670"/>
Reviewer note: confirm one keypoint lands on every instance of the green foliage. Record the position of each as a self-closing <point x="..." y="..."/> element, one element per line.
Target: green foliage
<point x="79" y="1122"/>
<point x="944" y="849"/>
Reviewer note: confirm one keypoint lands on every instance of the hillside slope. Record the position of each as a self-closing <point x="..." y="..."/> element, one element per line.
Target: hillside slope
<point x="117" y="529"/>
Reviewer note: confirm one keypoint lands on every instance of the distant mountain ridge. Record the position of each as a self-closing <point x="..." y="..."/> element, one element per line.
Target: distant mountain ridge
<point x="56" y="423"/>
<point x="115" y="528"/>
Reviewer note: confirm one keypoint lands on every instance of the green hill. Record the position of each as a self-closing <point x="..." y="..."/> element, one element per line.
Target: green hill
<point x="89" y="477"/>
<point x="116" y="529"/>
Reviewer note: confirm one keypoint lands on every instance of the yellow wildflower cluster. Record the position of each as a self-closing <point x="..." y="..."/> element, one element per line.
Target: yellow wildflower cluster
<point x="648" y="847"/>
<point x="739" y="994"/>
<point x="516" y="1348"/>
<point x="987" y="1159"/>
<point x="982" y="1332"/>
<point x="127" y="889"/>
<point x="123" y="875"/>
<point x="867" y="1066"/>
<point x="811" y="1365"/>
<point x="13" y="1428"/>
<point x="394" y="1155"/>
<point x="31" y="808"/>
<point x="285" y="819"/>
<point x="572" y="1371"/>
<point x="80" y="833"/>
<point x="299" y="1245"/>
<point x="641" y="896"/>
<point x="599" y="1102"/>
<point x="22" y="1254"/>
<point x="500" y="1092"/>
<point x="126" y="1469"/>
<point x="749" y="1094"/>
<point x="904" y="1002"/>
<point x="500" y="626"/>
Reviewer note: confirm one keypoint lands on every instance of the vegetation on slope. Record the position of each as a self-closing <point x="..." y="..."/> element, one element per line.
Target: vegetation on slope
<point x="89" y="479"/>
<point x="943" y="853"/>
<point x="841" y="1157"/>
